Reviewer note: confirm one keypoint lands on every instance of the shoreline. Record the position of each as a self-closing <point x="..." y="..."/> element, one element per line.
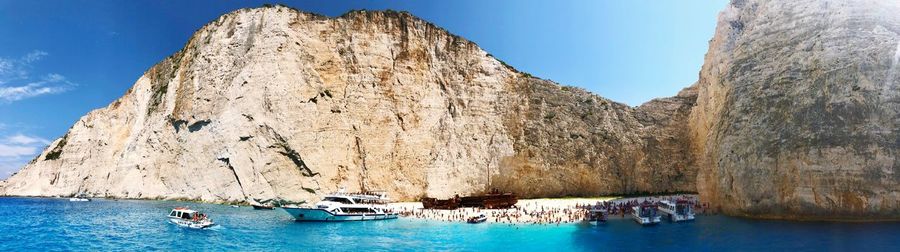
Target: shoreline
<point x="561" y="200"/>
<point x="542" y="211"/>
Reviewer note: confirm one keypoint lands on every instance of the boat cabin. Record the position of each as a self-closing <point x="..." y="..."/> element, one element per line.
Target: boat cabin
<point x="598" y="214"/>
<point x="679" y="207"/>
<point x="357" y="210"/>
<point x="350" y="199"/>
<point x="683" y="207"/>
<point x="349" y="204"/>
<point x="184" y="213"/>
<point x="339" y="199"/>
<point x="647" y="210"/>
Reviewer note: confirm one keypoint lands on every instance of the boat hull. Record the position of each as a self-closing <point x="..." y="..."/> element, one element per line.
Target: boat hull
<point x="598" y="217"/>
<point x="596" y="222"/>
<point x="680" y="218"/>
<point x="677" y="217"/>
<point x="191" y="224"/>
<point x="320" y="215"/>
<point x="258" y="207"/>
<point x="476" y="220"/>
<point x="646" y="221"/>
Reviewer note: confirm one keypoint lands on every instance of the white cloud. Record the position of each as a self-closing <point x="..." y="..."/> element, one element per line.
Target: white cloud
<point x="25" y="140"/>
<point x="50" y="84"/>
<point x="19" y="145"/>
<point x="8" y="165"/>
<point x="11" y="70"/>
<point x="54" y="78"/>
<point x="6" y="66"/>
<point x="16" y="83"/>
<point x="17" y="150"/>
<point x="34" y="56"/>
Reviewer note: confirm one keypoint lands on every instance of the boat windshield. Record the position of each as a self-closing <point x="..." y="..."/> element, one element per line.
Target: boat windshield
<point x="357" y="210"/>
<point x="683" y="209"/>
<point x="339" y="200"/>
<point x="648" y="211"/>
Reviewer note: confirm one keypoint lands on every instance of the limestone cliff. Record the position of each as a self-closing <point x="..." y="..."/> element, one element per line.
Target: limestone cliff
<point x="276" y="103"/>
<point x="797" y="113"/>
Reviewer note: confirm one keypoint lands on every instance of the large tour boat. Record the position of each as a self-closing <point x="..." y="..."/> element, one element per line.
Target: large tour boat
<point x="645" y="214"/>
<point x="680" y="210"/>
<point x="345" y="207"/>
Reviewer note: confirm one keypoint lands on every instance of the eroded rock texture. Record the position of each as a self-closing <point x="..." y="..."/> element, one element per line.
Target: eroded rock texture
<point x="797" y="114"/>
<point x="275" y="103"/>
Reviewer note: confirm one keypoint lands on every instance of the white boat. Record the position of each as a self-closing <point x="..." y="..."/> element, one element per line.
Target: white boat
<point x="645" y="214"/>
<point x="479" y="218"/>
<point x="679" y="210"/>
<point x="79" y="198"/>
<point x="185" y="217"/>
<point x="344" y="207"/>
<point x="597" y="214"/>
<point x="260" y="206"/>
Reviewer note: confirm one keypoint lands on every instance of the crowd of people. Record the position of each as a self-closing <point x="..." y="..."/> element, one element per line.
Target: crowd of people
<point x="623" y="207"/>
<point x="512" y="215"/>
<point x="534" y="212"/>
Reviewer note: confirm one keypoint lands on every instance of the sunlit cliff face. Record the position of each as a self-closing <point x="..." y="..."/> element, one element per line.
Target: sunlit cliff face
<point x="797" y="113"/>
<point x="275" y="103"/>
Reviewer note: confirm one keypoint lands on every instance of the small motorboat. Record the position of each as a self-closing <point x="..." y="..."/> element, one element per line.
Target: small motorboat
<point x="261" y="206"/>
<point x="188" y="218"/>
<point x="477" y="219"/>
<point x="79" y="198"/>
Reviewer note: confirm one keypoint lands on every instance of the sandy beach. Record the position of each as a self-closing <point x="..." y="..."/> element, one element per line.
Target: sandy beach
<point x="526" y="211"/>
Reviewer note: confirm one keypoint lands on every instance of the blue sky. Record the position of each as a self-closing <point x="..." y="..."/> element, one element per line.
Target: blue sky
<point x="61" y="59"/>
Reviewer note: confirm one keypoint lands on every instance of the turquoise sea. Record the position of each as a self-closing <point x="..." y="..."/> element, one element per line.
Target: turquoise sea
<point x="106" y="225"/>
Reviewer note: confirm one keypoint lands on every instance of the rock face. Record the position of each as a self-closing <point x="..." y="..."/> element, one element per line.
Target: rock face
<point x="569" y="142"/>
<point x="276" y="103"/>
<point x="797" y="113"/>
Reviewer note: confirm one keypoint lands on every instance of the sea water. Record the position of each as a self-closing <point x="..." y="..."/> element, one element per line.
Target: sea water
<point x="105" y="225"/>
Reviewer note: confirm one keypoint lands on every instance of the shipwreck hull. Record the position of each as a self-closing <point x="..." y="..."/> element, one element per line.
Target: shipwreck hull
<point x="489" y="201"/>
